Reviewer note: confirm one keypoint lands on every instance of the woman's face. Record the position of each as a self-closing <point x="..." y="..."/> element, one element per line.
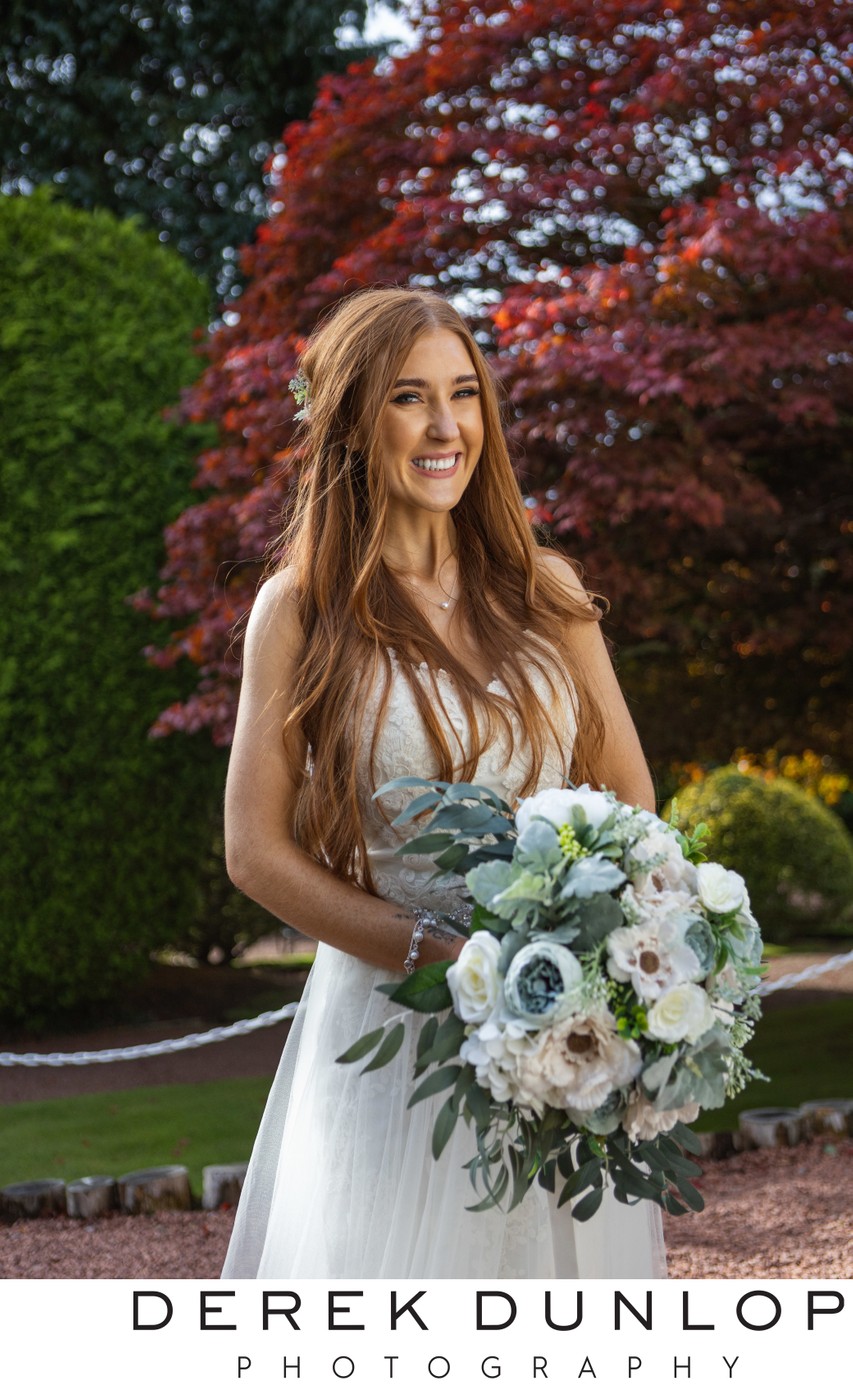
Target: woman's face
<point x="431" y="430"/>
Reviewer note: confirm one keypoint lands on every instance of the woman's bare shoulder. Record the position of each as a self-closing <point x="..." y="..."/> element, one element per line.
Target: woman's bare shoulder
<point x="564" y="573"/>
<point x="274" y="622"/>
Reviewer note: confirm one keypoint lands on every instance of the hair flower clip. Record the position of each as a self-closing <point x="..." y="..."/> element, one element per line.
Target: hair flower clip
<point x="299" y="388"/>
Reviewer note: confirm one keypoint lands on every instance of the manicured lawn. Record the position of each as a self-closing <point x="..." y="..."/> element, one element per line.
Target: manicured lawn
<point x="807" y="1053"/>
<point x="112" y="1133"/>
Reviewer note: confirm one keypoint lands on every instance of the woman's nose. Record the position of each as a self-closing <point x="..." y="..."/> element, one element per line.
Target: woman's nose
<point x="443" y="422"/>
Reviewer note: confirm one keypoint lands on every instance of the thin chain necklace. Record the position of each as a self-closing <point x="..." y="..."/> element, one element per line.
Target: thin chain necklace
<point x="449" y="596"/>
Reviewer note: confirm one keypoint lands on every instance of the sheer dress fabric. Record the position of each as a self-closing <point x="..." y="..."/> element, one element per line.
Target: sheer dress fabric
<point x="342" y="1181"/>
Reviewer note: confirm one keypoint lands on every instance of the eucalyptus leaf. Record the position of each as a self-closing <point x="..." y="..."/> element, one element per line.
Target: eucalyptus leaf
<point x="690" y="1195"/>
<point x="362" y="1046"/>
<point x="686" y="1137"/>
<point x="671" y="1204"/>
<point x="501" y="848"/>
<point x="435" y="1082"/>
<point x="565" y="1165"/>
<point x="425" y="1040"/>
<point x="425" y="843"/>
<point x="446" y="1041"/>
<point x="465" y="818"/>
<point x="453" y="859"/>
<point x="443" y="1129"/>
<point x="588" y="1205"/>
<point x="409" y="782"/>
<point x="547" y="1176"/>
<point x="495" y="1193"/>
<point x="417" y="806"/>
<point x="388" y="1049"/>
<point x="578" y="1180"/>
<point x="479" y="1103"/>
<point x="464" y="790"/>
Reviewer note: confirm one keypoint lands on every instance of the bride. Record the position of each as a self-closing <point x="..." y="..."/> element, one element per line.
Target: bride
<point x="413" y="628"/>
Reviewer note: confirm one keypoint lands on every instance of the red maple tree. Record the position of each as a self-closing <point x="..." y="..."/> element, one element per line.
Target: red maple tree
<point x="643" y="208"/>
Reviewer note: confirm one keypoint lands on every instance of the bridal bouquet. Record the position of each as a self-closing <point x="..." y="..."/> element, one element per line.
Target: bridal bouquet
<point x="603" y="996"/>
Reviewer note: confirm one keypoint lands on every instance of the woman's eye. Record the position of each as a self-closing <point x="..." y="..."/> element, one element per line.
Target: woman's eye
<point x="468" y="390"/>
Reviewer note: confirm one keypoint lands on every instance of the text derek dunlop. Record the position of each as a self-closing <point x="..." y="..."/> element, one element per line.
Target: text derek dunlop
<point x="338" y="1334"/>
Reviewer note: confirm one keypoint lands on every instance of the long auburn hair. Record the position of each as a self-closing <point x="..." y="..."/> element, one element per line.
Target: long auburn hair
<point x="353" y="610"/>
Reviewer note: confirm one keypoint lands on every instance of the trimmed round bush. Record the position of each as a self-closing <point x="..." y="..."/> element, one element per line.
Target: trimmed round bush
<point x="103" y="828"/>
<point x="794" y="854"/>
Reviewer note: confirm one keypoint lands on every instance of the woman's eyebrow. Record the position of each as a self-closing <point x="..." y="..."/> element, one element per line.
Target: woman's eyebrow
<point x="416" y="380"/>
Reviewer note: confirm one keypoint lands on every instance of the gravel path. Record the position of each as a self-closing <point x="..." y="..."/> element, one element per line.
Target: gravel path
<point x="781" y="1213"/>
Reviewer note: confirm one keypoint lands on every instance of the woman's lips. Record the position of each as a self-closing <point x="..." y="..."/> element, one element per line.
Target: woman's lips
<point x="438" y="472"/>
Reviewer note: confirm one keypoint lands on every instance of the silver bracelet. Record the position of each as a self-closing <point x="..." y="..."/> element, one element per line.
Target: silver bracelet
<point x="424" y="917"/>
<point x="417" y="935"/>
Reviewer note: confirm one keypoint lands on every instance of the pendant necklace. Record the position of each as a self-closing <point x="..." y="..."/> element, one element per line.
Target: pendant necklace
<point x="449" y="596"/>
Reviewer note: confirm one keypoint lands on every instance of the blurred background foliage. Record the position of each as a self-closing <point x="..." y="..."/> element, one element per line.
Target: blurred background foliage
<point x="645" y="216"/>
<point x="103" y="828"/>
<point x="169" y="112"/>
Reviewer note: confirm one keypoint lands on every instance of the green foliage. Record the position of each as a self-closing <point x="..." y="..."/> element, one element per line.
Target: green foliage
<point x="794" y="854"/>
<point x="103" y="828"/>
<point x="224" y="921"/>
<point x="167" y="111"/>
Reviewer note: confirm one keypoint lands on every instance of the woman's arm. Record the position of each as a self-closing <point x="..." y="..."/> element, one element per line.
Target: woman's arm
<point x="262" y="858"/>
<point x="623" y="766"/>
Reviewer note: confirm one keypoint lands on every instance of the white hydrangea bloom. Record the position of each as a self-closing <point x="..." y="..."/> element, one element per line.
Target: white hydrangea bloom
<point x="494" y="1049"/>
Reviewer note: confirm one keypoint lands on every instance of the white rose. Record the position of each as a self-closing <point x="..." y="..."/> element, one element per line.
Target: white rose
<point x="682" y="1013"/>
<point x="720" y="889"/>
<point x="556" y="806"/>
<point x="473" y="979"/>
<point x="643" y="1121"/>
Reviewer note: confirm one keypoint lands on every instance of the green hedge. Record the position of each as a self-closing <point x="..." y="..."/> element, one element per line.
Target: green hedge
<point x="794" y="854"/>
<point x="101" y="827"/>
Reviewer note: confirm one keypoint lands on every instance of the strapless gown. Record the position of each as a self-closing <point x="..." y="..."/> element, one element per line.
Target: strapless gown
<point x="342" y="1181"/>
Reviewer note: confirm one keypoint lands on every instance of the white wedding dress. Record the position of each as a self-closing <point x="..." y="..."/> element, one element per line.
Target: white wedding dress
<point x="342" y="1181"/>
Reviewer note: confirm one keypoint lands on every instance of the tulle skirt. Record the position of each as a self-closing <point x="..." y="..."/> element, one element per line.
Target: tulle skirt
<point x="342" y="1181"/>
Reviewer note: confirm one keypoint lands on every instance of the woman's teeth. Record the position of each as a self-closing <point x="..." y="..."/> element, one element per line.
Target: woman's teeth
<point x="435" y="464"/>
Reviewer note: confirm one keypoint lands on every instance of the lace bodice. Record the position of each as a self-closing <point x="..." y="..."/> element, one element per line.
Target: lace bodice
<point x="403" y="748"/>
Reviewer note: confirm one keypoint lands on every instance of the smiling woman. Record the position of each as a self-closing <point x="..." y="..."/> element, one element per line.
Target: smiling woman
<point x="412" y="627"/>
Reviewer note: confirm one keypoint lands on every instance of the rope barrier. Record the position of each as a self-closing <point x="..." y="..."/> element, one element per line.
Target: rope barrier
<point x="156" y="1047"/>
<point x="792" y="979"/>
<point x="9" y="1059"/>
